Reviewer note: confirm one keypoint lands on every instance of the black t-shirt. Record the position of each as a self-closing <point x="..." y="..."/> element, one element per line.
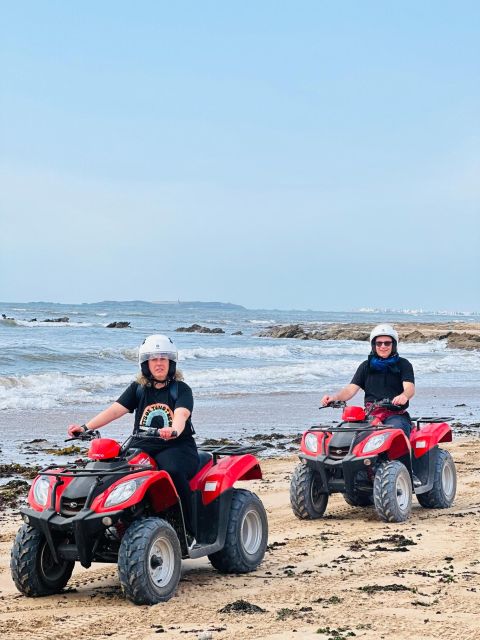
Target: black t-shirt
<point x="154" y="408"/>
<point x="383" y="384"/>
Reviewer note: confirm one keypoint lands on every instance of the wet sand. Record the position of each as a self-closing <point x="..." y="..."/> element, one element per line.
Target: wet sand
<point x="346" y="575"/>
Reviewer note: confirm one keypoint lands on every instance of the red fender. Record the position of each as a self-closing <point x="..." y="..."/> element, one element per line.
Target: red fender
<point x="428" y="436"/>
<point x="38" y="507"/>
<point x="157" y="484"/>
<point x="395" y="445"/>
<point x="226" y="472"/>
<point x="321" y="435"/>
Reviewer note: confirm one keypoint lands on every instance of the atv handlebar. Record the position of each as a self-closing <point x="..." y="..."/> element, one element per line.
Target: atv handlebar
<point x="334" y="404"/>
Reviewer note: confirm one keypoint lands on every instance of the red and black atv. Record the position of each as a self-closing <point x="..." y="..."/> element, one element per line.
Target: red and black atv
<point x="118" y="507"/>
<point x="374" y="464"/>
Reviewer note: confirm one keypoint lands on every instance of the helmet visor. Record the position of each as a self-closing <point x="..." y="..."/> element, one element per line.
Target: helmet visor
<point x="150" y="355"/>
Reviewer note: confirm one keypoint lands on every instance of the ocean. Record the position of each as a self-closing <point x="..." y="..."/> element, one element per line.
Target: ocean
<point x="56" y="373"/>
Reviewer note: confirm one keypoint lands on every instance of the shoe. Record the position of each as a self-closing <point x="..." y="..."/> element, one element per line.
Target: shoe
<point x="191" y="542"/>
<point x="416" y="481"/>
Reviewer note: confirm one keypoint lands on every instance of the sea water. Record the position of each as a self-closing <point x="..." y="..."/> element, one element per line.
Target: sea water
<point x="56" y="373"/>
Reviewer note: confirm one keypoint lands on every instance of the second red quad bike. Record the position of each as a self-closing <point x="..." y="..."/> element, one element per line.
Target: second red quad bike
<point x="374" y="464"/>
<point x="118" y="507"/>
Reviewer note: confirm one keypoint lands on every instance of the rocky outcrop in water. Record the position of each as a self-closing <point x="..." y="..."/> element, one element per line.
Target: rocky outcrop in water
<point x="196" y="328"/>
<point x="458" y="335"/>
<point x="118" y="325"/>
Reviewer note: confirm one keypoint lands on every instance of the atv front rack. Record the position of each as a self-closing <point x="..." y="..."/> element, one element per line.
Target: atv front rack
<point x="73" y="470"/>
<point x="431" y="419"/>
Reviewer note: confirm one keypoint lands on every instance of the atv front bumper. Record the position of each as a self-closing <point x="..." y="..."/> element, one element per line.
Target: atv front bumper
<point x="338" y="475"/>
<point x="82" y="531"/>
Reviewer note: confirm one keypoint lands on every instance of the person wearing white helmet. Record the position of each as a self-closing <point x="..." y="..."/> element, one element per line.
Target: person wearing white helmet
<point x="160" y="400"/>
<point x="383" y="375"/>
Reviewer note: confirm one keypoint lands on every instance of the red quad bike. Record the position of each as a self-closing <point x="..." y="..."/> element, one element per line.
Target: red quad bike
<point x="374" y="464"/>
<point x="118" y="507"/>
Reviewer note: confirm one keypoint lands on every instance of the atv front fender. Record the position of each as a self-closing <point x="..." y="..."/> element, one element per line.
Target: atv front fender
<point x="395" y="445"/>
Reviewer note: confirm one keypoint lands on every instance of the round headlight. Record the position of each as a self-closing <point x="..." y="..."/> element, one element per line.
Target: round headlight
<point x="123" y="492"/>
<point x="311" y="442"/>
<point x="375" y="442"/>
<point x="40" y="490"/>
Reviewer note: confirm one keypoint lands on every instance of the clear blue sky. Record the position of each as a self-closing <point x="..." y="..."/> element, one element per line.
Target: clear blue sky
<point x="301" y="154"/>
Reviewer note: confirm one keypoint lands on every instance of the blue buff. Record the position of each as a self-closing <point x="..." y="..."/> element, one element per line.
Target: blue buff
<point x="382" y="364"/>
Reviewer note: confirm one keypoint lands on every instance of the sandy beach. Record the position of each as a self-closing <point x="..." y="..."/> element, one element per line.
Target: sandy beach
<point x="346" y="575"/>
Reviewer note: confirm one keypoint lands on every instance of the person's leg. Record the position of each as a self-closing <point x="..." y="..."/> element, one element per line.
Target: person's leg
<point x="181" y="463"/>
<point x="401" y="421"/>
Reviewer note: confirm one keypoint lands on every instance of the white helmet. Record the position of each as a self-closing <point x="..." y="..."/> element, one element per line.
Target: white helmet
<point x="157" y="346"/>
<point x="383" y="330"/>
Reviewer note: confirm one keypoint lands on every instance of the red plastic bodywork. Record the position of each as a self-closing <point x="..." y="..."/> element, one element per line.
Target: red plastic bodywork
<point x="428" y="436"/>
<point x="103" y="449"/>
<point x="353" y="414"/>
<point x="215" y="479"/>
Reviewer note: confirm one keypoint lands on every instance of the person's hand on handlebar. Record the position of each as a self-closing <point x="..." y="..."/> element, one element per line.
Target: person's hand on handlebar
<point x="167" y="433"/>
<point x="400" y="399"/>
<point x="74" y="430"/>
<point x="327" y="399"/>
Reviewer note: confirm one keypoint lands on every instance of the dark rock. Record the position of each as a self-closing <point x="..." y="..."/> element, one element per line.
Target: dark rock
<point x="64" y="319"/>
<point x="118" y="325"/>
<point x="196" y="328"/>
<point x="12" y="492"/>
<point x="16" y="469"/>
<point x="237" y="333"/>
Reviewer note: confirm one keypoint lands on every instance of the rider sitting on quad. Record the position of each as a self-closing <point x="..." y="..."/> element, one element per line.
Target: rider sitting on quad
<point x="383" y="375"/>
<point x="161" y="400"/>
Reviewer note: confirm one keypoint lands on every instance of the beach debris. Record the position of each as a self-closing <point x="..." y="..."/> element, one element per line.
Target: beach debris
<point x="374" y="588"/>
<point x="118" y="325"/>
<point x="336" y="634"/>
<point x="15" y="469"/>
<point x="12" y="492"/>
<point x="196" y="328"/>
<point x="65" y="451"/>
<point x="241" y="606"/>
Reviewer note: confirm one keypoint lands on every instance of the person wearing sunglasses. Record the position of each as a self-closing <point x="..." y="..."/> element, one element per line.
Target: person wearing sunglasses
<point x="383" y="375"/>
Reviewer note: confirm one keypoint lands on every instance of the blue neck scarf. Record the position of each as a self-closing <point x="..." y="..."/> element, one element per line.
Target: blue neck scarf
<point x="382" y="364"/>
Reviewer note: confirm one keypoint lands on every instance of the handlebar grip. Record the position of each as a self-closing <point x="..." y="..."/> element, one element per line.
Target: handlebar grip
<point x="174" y="434"/>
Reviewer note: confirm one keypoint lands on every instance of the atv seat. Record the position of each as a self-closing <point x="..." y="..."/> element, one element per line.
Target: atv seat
<point x="204" y="457"/>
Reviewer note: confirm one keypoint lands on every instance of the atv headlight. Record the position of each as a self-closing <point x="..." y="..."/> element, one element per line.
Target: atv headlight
<point x="123" y="492"/>
<point x="40" y="490"/>
<point x="311" y="442"/>
<point x="375" y="442"/>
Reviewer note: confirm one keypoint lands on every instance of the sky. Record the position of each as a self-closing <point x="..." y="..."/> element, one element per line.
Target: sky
<point x="308" y="154"/>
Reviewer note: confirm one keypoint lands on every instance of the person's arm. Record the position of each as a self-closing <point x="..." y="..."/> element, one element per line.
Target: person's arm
<point x="408" y="393"/>
<point x="113" y="412"/>
<point x="180" y="417"/>
<point x="343" y="395"/>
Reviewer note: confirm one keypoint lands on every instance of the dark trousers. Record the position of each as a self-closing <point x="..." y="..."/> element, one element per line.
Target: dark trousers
<point x="400" y="421"/>
<point x="181" y="462"/>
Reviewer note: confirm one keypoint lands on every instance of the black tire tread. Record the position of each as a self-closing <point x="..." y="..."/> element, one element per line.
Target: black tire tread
<point x="384" y="493"/>
<point x="231" y="559"/>
<point x="300" y="494"/>
<point x="23" y="564"/>
<point x="131" y="562"/>
<point x="436" y="498"/>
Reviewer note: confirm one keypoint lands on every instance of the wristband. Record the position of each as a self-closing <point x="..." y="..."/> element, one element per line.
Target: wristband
<point x="84" y="427"/>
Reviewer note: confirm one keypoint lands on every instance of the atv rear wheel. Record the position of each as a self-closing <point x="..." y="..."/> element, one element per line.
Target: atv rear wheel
<point x="306" y="499"/>
<point x="247" y="534"/>
<point x="392" y="491"/>
<point x="149" y="561"/>
<point x="34" y="571"/>
<point x="442" y="494"/>
<point x="358" y="499"/>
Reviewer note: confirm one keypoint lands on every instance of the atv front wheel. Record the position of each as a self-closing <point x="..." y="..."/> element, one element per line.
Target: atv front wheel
<point x="149" y="561"/>
<point x="247" y="534"/>
<point x="306" y="499"/>
<point x="442" y="494"/>
<point x="34" y="571"/>
<point x="392" y="491"/>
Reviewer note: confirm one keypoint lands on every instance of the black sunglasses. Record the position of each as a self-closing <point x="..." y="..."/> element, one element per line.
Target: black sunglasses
<point x="386" y="343"/>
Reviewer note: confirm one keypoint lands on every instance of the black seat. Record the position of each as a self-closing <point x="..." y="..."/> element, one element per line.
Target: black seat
<point x="204" y="458"/>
